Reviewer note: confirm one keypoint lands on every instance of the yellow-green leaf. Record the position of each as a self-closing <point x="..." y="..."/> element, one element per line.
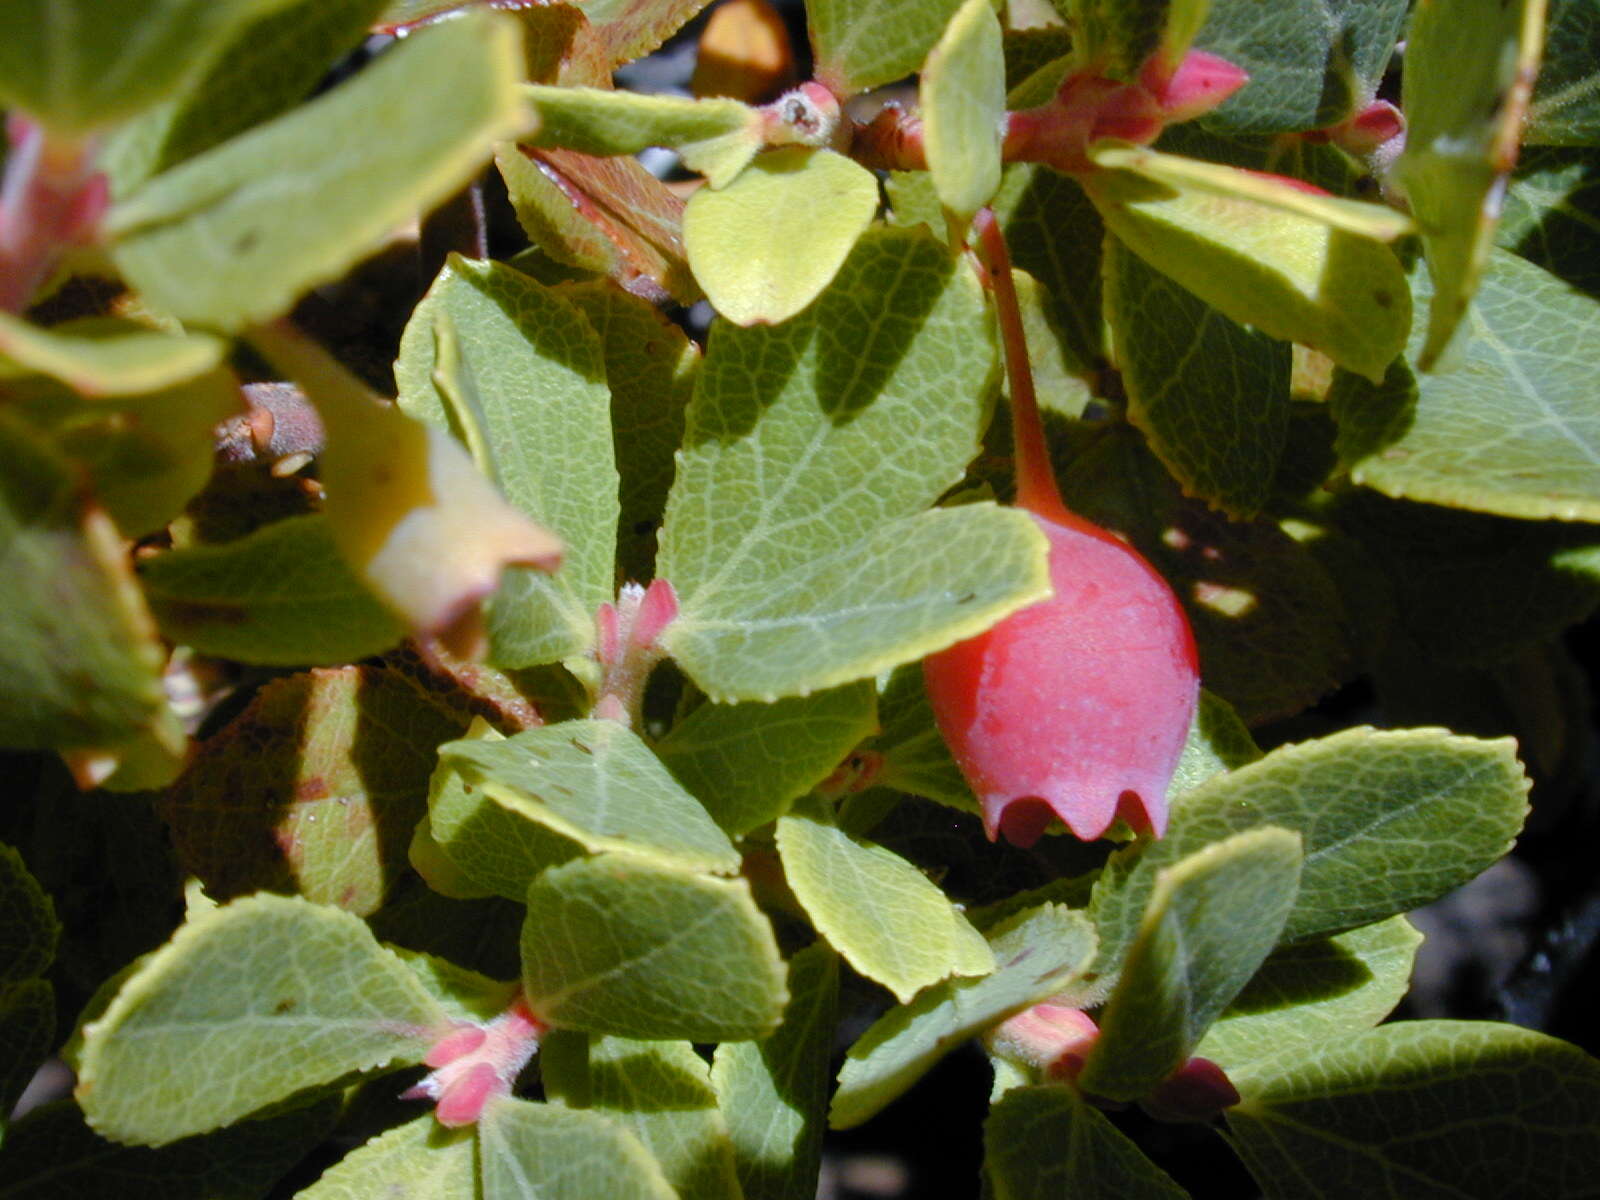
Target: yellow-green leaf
<point x="505" y="809"/>
<point x="1289" y="275"/>
<point x="716" y="137"/>
<point x="1211" y="919"/>
<point x="962" y="96"/>
<point x="1469" y="75"/>
<point x="247" y="1005"/>
<point x="765" y="245"/>
<point x="618" y="944"/>
<point x="516" y="373"/>
<point x="235" y="235"/>
<point x="889" y="921"/>
<point x="105" y="357"/>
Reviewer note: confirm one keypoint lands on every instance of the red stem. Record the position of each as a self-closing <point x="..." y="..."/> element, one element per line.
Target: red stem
<point x="1036" y="482"/>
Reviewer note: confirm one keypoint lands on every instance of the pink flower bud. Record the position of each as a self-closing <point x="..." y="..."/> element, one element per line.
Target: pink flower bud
<point x="1197" y="1091"/>
<point x="1200" y="83"/>
<point x="474" y="1063"/>
<point x="1078" y="706"/>
<point x="1052" y="1039"/>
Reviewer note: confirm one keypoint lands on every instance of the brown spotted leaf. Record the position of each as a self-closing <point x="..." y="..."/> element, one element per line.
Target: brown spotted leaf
<point x="315" y="788"/>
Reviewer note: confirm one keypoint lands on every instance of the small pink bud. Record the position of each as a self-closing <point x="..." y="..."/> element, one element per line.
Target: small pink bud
<point x="1365" y="134"/>
<point x="658" y="607"/>
<point x="1078" y="706"/>
<point x="1200" y="83"/>
<point x="463" y="1041"/>
<point x="473" y="1063"/>
<point x="608" y="641"/>
<point x="1197" y="1091"/>
<point x="1050" y="1038"/>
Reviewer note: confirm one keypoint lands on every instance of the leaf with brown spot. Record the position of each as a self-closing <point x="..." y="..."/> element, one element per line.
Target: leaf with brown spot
<point x="315" y="788"/>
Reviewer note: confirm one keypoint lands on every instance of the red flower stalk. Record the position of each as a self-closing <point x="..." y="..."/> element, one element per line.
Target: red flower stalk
<point x="1078" y="706"/>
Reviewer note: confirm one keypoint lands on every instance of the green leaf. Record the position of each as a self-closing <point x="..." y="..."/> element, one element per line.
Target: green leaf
<point x="915" y="757"/>
<point x="314" y="788"/>
<point x="1038" y="953"/>
<point x="106" y="357"/>
<point x="281" y="596"/>
<point x="1469" y="68"/>
<point x="774" y="1092"/>
<point x="651" y="366"/>
<point x="29" y="930"/>
<point x="1270" y="624"/>
<point x="552" y="221"/>
<point x="1425" y="1109"/>
<point x="248" y="1004"/>
<point x="747" y="762"/>
<point x="557" y="1153"/>
<point x="891" y="923"/>
<point x="465" y="995"/>
<point x="1473" y="589"/>
<point x="269" y="64"/>
<point x="52" y="1155"/>
<point x="548" y="795"/>
<point x="512" y="369"/>
<point x="907" y="588"/>
<point x="617" y="944"/>
<point x="1211" y="918"/>
<point x="962" y="98"/>
<point x="1115" y="38"/>
<point x="860" y="44"/>
<point x="1277" y="193"/>
<point x="1510" y="428"/>
<point x="1218" y="742"/>
<point x="1551" y="214"/>
<point x="77" y="65"/>
<point x="420" y="1160"/>
<point x="1388" y="821"/>
<point x="716" y="137"/>
<point x="606" y="215"/>
<point x="234" y="236"/>
<point x="1311" y="62"/>
<point x="80" y="665"/>
<point x="796" y="534"/>
<point x="148" y="454"/>
<point x="1033" y="203"/>
<point x="423" y="527"/>
<point x="1042" y="1143"/>
<point x="1211" y="396"/>
<point x="1566" y="101"/>
<point x="27" y="1035"/>
<point x="1286" y="273"/>
<point x="661" y="1093"/>
<point x="743" y="240"/>
<point x="630" y="29"/>
<point x="1315" y="994"/>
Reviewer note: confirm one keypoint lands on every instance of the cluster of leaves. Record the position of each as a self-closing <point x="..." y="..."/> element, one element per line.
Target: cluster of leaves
<point x="389" y="842"/>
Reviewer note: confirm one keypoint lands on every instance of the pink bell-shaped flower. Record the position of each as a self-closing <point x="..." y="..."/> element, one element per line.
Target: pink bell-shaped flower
<point x="1077" y="706"/>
